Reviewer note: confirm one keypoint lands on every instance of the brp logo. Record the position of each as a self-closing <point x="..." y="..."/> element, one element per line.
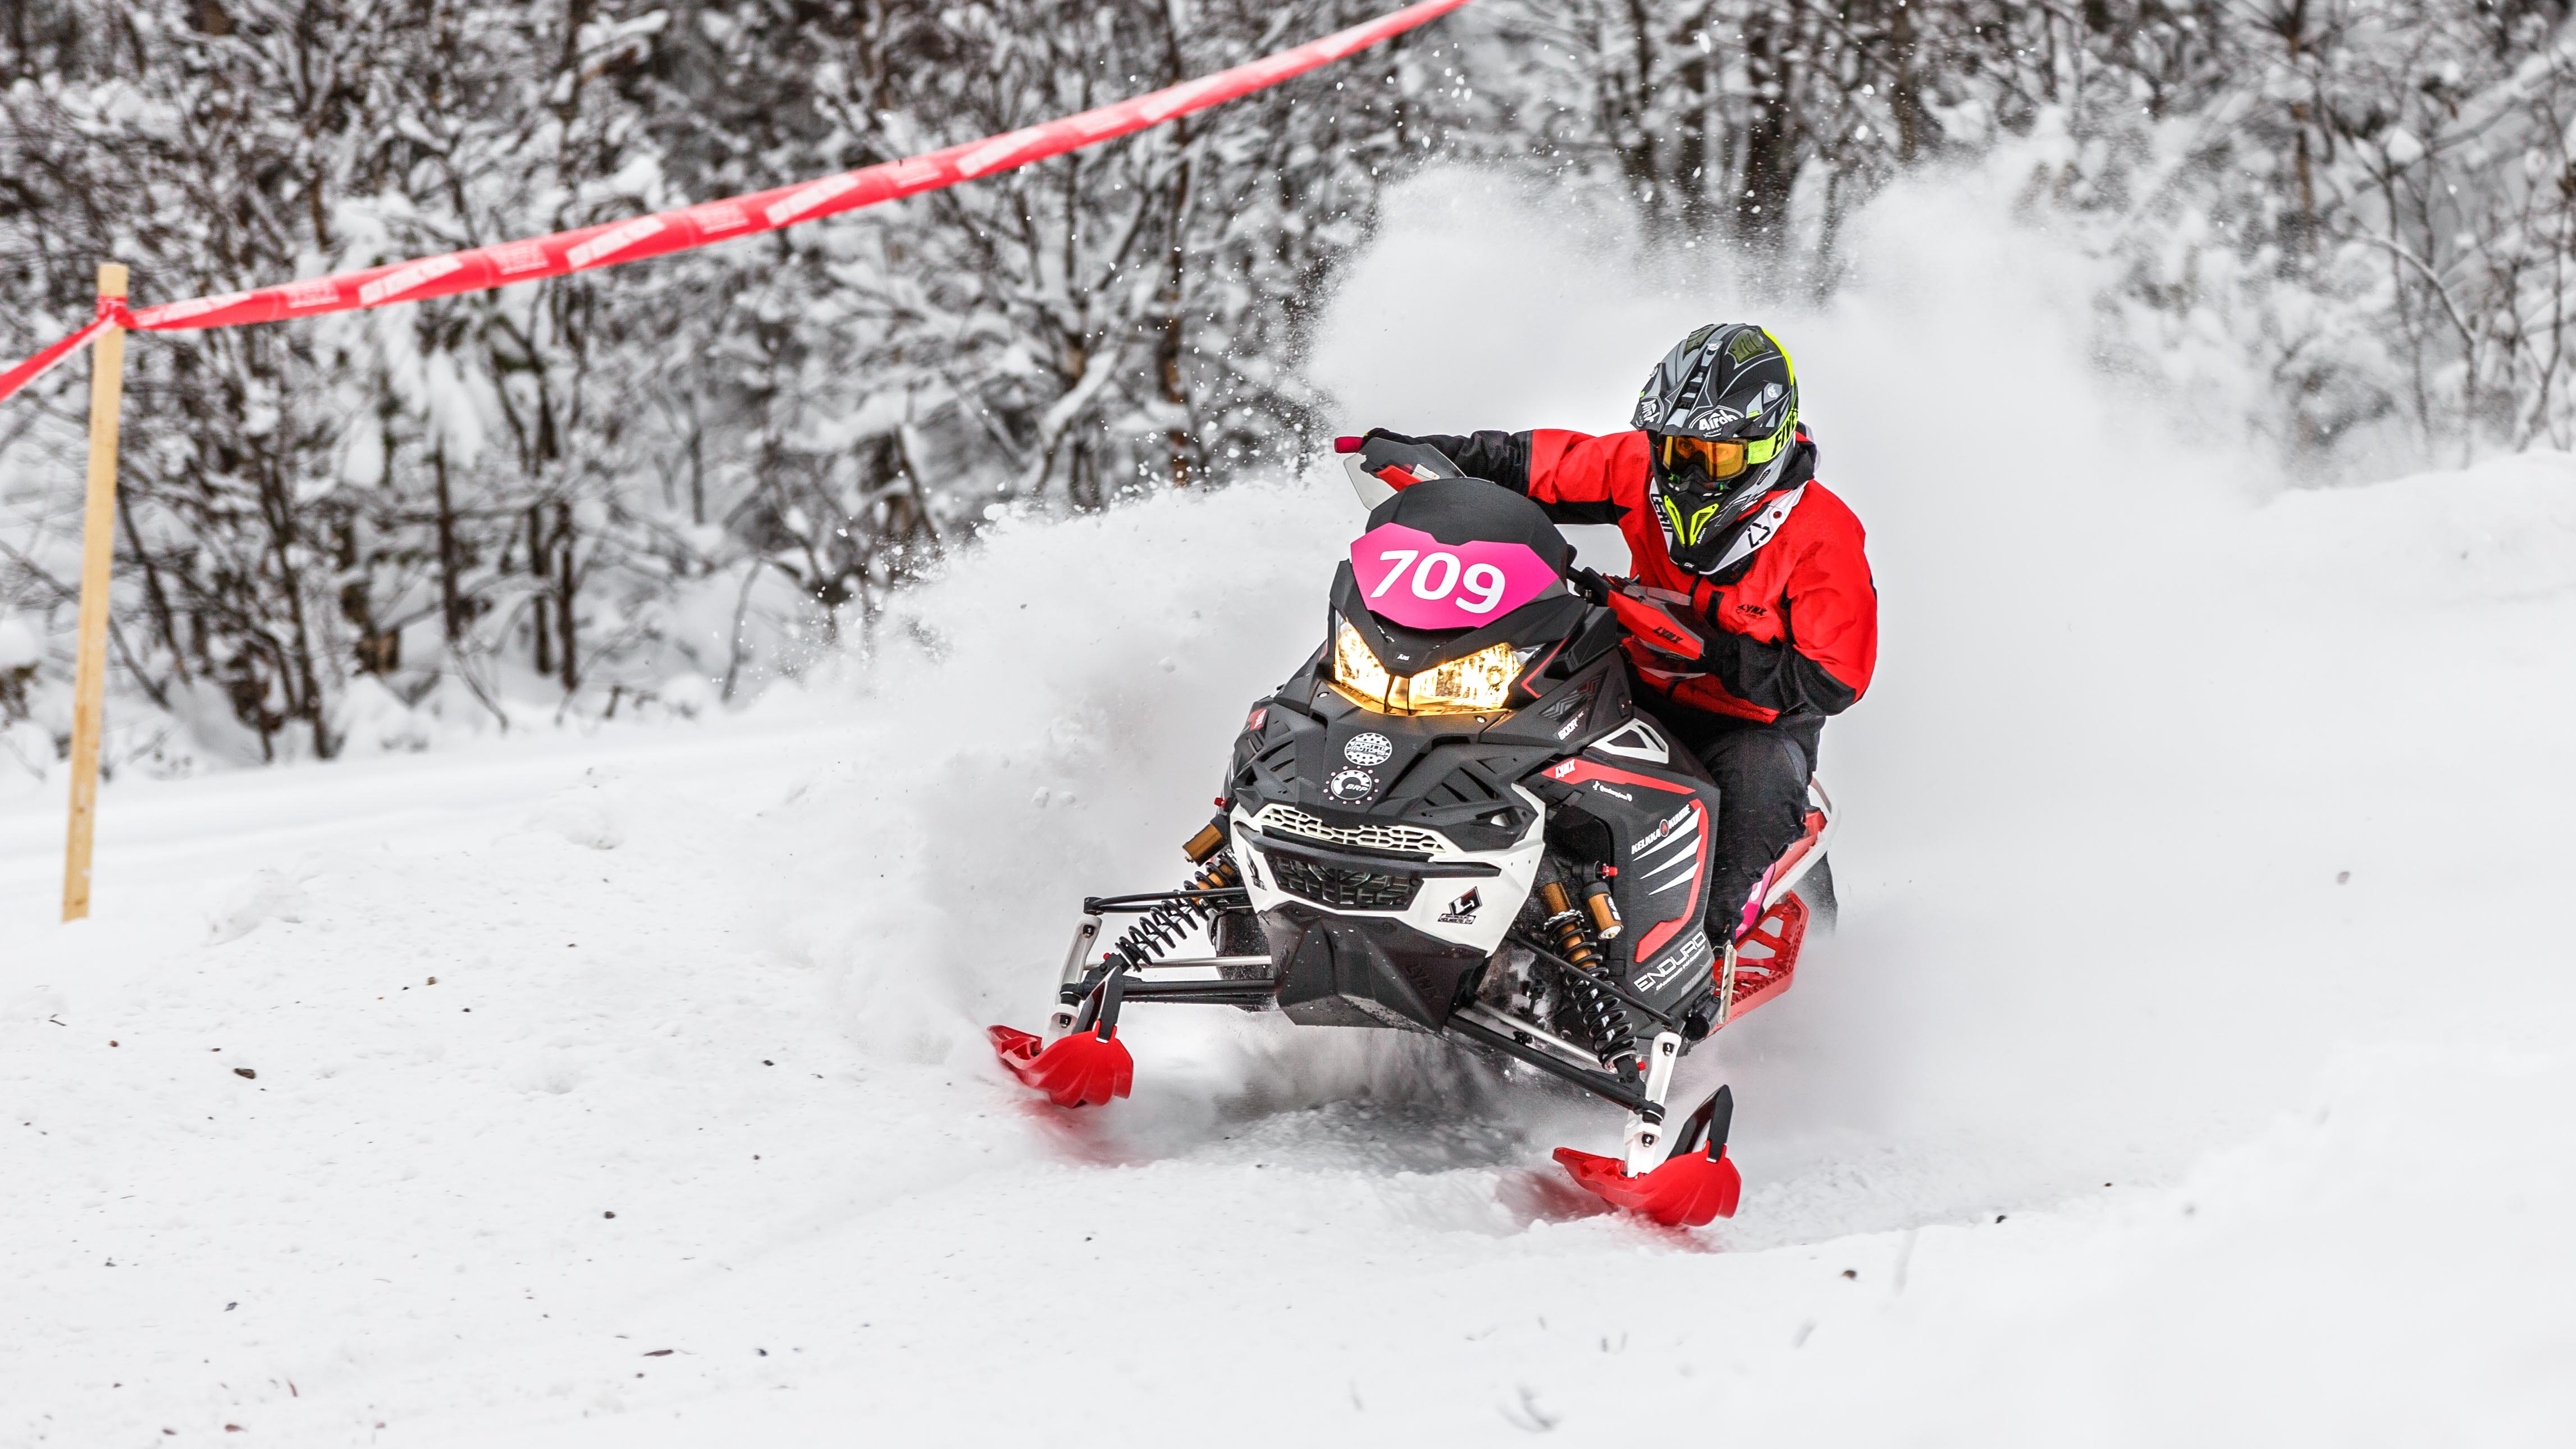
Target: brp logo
<point x="1371" y="748"/>
<point x="1351" y="786"/>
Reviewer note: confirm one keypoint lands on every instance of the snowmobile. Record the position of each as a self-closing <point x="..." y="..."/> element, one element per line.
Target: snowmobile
<point x="1455" y="818"/>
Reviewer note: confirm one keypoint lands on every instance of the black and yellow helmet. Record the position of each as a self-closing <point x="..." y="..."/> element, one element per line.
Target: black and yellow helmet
<point x="1721" y="411"/>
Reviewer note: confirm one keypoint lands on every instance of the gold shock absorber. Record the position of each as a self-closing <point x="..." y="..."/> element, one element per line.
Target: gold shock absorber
<point x="1209" y="840"/>
<point x="1207" y="849"/>
<point x="1604" y="1019"/>
<point x="1567" y="923"/>
<point x="1606" y="924"/>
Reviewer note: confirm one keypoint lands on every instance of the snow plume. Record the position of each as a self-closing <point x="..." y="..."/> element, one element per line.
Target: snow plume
<point x="2098" y="790"/>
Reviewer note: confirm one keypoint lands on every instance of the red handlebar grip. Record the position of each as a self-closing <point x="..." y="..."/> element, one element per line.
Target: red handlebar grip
<point x="1348" y="445"/>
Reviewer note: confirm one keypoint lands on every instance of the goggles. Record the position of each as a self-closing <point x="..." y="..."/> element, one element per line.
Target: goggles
<point x="1706" y="456"/>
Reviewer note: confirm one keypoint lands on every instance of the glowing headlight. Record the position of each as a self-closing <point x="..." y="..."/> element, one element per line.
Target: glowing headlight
<point x="1357" y="670"/>
<point x="1477" y="684"/>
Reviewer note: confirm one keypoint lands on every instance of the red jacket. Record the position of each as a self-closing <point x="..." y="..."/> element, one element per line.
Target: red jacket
<point x="1795" y="617"/>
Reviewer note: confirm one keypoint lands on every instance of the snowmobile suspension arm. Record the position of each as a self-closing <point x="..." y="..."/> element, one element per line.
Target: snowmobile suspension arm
<point x="1080" y="991"/>
<point x="1099" y="993"/>
<point x="1600" y="1084"/>
<point x="1140" y="904"/>
<point x="1210" y="993"/>
<point x="1526" y="1032"/>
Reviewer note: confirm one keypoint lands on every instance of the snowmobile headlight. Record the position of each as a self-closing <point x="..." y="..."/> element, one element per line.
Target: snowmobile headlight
<point x="1481" y="683"/>
<point x="1356" y="670"/>
<point x="1477" y="684"/>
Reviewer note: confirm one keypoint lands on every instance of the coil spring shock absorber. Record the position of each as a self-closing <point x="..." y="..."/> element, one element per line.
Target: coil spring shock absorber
<point x="1162" y="928"/>
<point x="1604" y="1018"/>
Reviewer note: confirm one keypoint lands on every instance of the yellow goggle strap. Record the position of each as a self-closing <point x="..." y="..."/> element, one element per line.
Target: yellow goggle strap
<point x="1762" y="450"/>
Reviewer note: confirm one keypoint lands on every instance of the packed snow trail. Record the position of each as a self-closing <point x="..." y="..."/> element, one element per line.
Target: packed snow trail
<point x="2191" y="1066"/>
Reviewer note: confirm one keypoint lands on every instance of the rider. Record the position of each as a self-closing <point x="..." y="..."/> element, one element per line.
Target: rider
<point x="1715" y="492"/>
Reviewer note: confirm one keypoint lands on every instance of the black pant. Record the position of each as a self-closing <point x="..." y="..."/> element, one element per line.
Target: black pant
<point x="1761" y="772"/>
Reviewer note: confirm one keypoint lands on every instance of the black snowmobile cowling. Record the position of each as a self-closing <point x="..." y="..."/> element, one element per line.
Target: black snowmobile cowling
<point x="1454" y="818"/>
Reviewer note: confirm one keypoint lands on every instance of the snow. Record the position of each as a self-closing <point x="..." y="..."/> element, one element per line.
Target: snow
<point x="19" y="646"/>
<point x="2190" y="1068"/>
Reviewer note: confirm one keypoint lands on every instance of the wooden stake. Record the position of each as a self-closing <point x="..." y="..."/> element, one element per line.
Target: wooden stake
<point x="98" y="550"/>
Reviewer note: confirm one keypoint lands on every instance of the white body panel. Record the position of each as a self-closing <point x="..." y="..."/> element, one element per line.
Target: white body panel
<point x="1435" y="910"/>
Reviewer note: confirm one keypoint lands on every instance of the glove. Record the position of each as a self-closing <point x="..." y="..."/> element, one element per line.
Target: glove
<point x="1495" y="457"/>
<point x="1598" y="587"/>
<point x="1348" y="444"/>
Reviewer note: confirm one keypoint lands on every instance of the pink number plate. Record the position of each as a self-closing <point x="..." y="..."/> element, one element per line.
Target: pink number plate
<point x="1416" y="580"/>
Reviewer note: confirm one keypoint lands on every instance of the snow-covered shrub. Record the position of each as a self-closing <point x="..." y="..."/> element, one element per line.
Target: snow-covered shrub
<point x="20" y="652"/>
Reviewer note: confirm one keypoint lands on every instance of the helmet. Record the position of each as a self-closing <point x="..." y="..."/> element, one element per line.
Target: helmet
<point x="1721" y="410"/>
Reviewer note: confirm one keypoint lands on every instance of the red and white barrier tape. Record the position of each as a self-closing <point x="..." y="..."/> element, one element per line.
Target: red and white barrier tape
<point x="110" y="309"/>
<point x="613" y="243"/>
